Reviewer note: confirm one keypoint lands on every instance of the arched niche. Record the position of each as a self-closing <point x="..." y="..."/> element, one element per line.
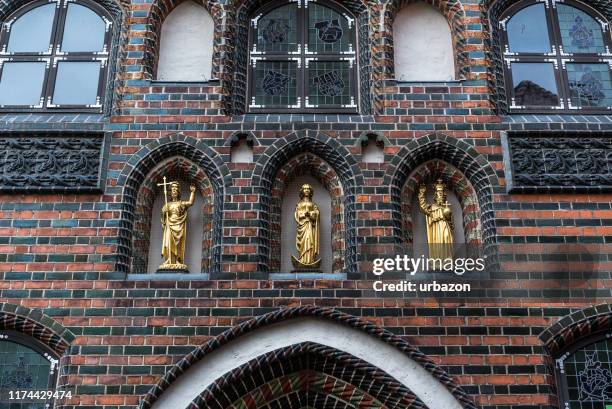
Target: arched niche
<point x="195" y="231"/>
<point x="423" y="44"/>
<point x="186" y="44"/>
<point x="289" y="227"/>
<point x="461" y="195"/>
<point x="328" y="194"/>
<point x="146" y="236"/>
<point x="241" y="149"/>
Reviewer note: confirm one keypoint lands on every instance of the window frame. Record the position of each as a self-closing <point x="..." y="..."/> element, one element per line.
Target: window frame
<point x="302" y="57"/>
<point x="53" y="56"/>
<point x="44" y="350"/>
<point x="556" y="56"/>
<point x="561" y="379"/>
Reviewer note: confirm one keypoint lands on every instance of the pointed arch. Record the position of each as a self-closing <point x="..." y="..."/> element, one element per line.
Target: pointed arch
<point x="575" y="327"/>
<point x="336" y="158"/>
<point x="462" y="156"/>
<point x="261" y="339"/>
<point x="454" y="13"/>
<point x="158" y="12"/>
<point x="140" y="165"/>
<point x="37" y="325"/>
<point x="491" y="12"/>
<point x="237" y="88"/>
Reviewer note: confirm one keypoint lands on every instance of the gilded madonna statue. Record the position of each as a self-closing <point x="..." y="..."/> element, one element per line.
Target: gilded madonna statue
<point x="174" y="225"/>
<point x="439" y="221"/>
<point x="307" y="217"/>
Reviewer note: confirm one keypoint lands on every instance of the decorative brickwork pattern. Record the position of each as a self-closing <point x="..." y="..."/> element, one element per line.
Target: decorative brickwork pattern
<point x="558" y="161"/>
<point x="575" y="327"/>
<point x="200" y="158"/>
<point x="313" y="370"/>
<point x="305" y="311"/>
<point x="71" y="162"/>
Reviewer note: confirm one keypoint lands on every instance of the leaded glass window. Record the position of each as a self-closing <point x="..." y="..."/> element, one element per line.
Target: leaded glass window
<point x="585" y="375"/>
<point x="302" y="57"/>
<point x="25" y="365"/>
<point x="54" y="56"/>
<point x="557" y="57"/>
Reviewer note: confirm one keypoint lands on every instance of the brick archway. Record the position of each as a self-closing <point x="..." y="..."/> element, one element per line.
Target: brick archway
<point x="463" y="157"/>
<point x="307" y="374"/>
<point x="194" y="152"/>
<point x="289" y="327"/>
<point x="37" y="325"/>
<point x="330" y="152"/>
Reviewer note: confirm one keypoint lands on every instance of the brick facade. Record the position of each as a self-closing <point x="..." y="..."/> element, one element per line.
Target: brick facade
<point x="71" y="261"/>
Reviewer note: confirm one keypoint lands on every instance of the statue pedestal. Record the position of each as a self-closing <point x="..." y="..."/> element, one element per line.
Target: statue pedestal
<point x="172" y="269"/>
<point x="306" y="270"/>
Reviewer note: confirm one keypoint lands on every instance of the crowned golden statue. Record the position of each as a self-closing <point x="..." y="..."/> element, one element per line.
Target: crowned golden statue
<point x="174" y="225"/>
<point x="439" y="222"/>
<point x="307" y="236"/>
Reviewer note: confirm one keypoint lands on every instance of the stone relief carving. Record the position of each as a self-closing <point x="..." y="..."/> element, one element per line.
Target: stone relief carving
<point x="50" y="163"/>
<point x="560" y="162"/>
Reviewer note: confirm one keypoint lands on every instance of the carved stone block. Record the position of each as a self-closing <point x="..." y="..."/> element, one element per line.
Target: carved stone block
<point x="51" y="162"/>
<point x="551" y="161"/>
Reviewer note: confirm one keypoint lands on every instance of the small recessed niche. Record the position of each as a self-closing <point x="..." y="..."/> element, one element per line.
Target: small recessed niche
<point x="242" y="150"/>
<point x="372" y="150"/>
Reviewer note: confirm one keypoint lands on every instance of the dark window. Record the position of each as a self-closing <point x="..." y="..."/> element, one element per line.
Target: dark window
<point x="585" y="374"/>
<point x="557" y="58"/>
<point x="54" y="55"/>
<point x="25" y="365"/>
<point x="302" y="56"/>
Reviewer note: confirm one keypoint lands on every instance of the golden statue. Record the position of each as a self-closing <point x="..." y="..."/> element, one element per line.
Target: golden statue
<point x="439" y="222"/>
<point x="174" y="225"/>
<point x="307" y="235"/>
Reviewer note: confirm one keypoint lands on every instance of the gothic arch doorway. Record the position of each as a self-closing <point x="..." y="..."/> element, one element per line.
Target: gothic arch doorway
<point x="306" y="357"/>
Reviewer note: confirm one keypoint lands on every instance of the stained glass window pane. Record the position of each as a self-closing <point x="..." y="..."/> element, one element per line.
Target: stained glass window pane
<point x="275" y="84"/>
<point x="534" y="84"/>
<point x="84" y="30"/>
<point x="590" y="85"/>
<point x="528" y="30"/>
<point x="277" y="30"/>
<point x="328" y="30"/>
<point x="76" y="83"/>
<point x="32" y="31"/>
<point x="21" y="83"/>
<point x="588" y="372"/>
<point x="580" y="33"/>
<point x="329" y="83"/>
<point x="22" y="368"/>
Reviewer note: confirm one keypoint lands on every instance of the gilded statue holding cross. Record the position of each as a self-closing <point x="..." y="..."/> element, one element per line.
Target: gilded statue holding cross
<point x="174" y="225"/>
